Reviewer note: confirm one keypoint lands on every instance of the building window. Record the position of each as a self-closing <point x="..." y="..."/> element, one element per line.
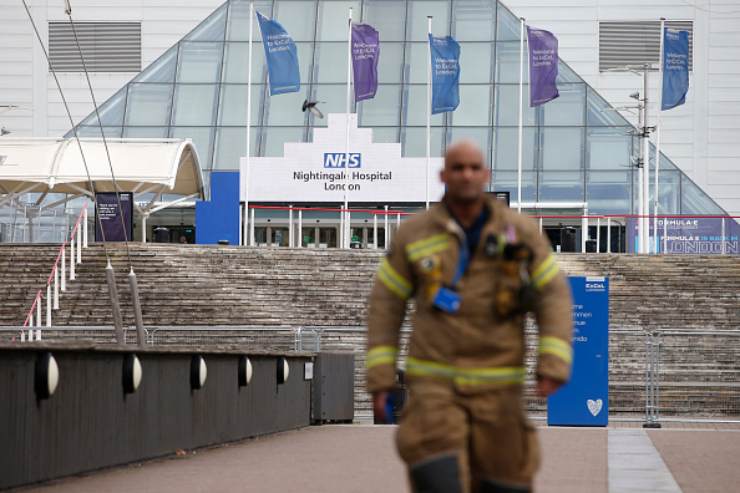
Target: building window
<point x="106" y="46"/>
<point x="636" y="42"/>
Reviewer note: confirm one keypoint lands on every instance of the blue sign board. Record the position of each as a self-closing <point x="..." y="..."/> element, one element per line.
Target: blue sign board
<point x="584" y="400"/>
<point x="218" y="219"/>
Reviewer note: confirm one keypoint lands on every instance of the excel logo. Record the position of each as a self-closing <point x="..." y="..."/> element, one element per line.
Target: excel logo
<point x="339" y="160"/>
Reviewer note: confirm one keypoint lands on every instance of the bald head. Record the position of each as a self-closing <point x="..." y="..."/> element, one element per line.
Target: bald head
<point x="465" y="173"/>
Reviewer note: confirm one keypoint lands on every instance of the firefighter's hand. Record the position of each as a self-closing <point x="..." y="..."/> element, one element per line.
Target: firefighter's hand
<point x="379" y="400"/>
<point x="547" y="386"/>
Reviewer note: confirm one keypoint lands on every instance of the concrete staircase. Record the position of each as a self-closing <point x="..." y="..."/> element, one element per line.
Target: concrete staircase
<point x="207" y="286"/>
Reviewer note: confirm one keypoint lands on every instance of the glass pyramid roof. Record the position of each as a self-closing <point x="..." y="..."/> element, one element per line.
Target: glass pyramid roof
<point x="577" y="148"/>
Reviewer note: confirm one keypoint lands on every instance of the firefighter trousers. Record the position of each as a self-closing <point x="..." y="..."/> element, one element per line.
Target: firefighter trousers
<point x="468" y="442"/>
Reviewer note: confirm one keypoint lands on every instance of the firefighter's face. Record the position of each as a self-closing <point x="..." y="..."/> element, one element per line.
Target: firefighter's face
<point x="465" y="174"/>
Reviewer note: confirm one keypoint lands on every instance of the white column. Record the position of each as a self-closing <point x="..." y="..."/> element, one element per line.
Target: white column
<point x="520" y="129"/>
<point x="72" y="276"/>
<point x="251" y="228"/>
<point x="598" y="235"/>
<point x="665" y="234"/>
<point x="56" y="287"/>
<point x="375" y="231"/>
<point x="429" y="110"/>
<point x="143" y="227"/>
<point x="723" y="234"/>
<point x="608" y="235"/>
<point x="64" y="268"/>
<point x="38" y="309"/>
<point x="84" y="228"/>
<point x="540" y="221"/>
<point x="291" y="234"/>
<point x="79" y="243"/>
<point x="349" y="229"/>
<point x="387" y="232"/>
<point x="584" y="232"/>
<point x="300" y="228"/>
<point x="48" y="305"/>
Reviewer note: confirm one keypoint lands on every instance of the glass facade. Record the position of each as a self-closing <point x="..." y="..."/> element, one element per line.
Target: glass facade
<point x="577" y="148"/>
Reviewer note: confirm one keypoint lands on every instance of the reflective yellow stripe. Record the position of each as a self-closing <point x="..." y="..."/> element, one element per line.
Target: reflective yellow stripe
<point x="381" y="355"/>
<point x="427" y="246"/>
<point x="545" y="272"/>
<point x="556" y="347"/>
<point x="394" y="281"/>
<point x="466" y="376"/>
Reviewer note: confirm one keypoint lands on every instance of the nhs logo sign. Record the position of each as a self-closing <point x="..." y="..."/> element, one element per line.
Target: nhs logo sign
<point x="339" y="160"/>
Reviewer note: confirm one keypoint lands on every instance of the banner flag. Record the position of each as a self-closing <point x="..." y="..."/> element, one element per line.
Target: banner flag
<point x="543" y="66"/>
<point x="445" y="74"/>
<point x="675" y="68"/>
<point x="365" y="54"/>
<point x="281" y="55"/>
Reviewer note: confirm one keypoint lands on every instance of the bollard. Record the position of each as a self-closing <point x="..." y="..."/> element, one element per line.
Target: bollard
<point x="113" y="291"/>
<point x="140" y="338"/>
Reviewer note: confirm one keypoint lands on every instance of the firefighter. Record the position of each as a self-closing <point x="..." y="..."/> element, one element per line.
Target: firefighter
<point x="474" y="269"/>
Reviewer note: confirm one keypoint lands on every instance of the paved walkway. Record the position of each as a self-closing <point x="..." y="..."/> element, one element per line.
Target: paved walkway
<point x="360" y="458"/>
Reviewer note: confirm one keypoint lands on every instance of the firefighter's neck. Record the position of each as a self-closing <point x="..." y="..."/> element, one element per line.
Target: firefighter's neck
<point x="466" y="212"/>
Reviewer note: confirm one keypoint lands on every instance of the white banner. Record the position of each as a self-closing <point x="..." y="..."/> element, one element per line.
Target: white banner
<point x="314" y="171"/>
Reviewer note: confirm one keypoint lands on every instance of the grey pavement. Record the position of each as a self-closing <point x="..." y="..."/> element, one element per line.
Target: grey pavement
<point x="362" y="458"/>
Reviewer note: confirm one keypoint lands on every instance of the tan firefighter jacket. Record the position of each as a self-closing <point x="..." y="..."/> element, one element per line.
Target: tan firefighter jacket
<point x="482" y="344"/>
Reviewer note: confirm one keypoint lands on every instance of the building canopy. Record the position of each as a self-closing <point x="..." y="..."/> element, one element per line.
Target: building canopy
<point x="167" y="166"/>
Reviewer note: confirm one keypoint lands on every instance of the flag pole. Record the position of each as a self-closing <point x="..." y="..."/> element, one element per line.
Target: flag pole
<point x="429" y="106"/>
<point x="345" y="223"/>
<point x="656" y="198"/>
<point x="247" y="230"/>
<point x="521" y="117"/>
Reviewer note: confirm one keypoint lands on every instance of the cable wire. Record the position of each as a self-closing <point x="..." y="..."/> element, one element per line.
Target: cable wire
<point x="91" y="184"/>
<point x="116" y="189"/>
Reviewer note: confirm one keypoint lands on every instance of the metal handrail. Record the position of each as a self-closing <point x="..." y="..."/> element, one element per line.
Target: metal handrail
<point x="78" y="234"/>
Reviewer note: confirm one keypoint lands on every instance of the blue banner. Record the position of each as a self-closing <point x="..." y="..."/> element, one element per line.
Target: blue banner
<point x="675" y="68"/>
<point x="281" y="55"/>
<point x="584" y="400"/>
<point x="445" y="74"/>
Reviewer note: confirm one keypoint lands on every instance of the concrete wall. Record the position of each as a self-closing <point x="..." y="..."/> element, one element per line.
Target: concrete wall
<point x="90" y="423"/>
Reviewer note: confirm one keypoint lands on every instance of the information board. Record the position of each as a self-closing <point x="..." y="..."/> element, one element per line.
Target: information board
<point x="584" y="400"/>
<point x="108" y="216"/>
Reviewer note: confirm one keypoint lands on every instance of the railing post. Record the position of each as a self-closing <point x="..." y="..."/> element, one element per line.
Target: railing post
<point x="38" y="309"/>
<point x="608" y="235"/>
<point x="251" y="227"/>
<point x="72" y="276"/>
<point x="79" y="243"/>
<point x="291" y="235"/>
<point x="348" y="228"/>
<point x="300" y="228"/>
<point x="387" y="232"/>
<point x="48" y="305"/>
<point x="84" y="227"/>
<point x="723" y="242"/>
<point x="375" y="231"/>
<point x="56" y="287"/>
<point x="64" y="267"/>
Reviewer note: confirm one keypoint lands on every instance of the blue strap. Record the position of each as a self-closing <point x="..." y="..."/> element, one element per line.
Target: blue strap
<point x="463" y="260"/>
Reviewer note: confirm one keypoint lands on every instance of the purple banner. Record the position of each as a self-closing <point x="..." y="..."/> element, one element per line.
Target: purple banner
<point x="108" y="216"/>
<point x="705" y="235"/>
<point x="365" y="54"/>
<point x="543" y="66"/>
